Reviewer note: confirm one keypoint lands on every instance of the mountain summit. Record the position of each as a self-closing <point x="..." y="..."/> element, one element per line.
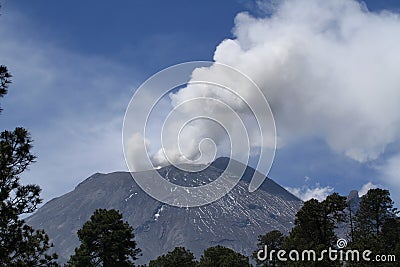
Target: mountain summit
<point x="234" y="221"/>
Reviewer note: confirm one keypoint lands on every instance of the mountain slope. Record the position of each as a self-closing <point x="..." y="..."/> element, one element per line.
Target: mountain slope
<point x="235" y="220"/>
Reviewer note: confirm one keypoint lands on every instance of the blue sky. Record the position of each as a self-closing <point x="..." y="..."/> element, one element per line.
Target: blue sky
<point x="76" y="65"/>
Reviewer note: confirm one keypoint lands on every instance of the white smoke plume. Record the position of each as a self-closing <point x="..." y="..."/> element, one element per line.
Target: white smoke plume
<point x="330" y="69"/>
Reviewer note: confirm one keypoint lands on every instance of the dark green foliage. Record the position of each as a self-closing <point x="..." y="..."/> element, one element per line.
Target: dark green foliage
<point x="15" y="157"/>
<point x="4" y="80"/>
<point x="376" y="227"/>
<point x="20" y="244"/>
<point x="332" y="213"/>
<point x="391" y="237"/>
<point x="105" y="241"/>
<point x="308" y="229"/>
<point x="375" y="208"/>
<point x="30" y="248"/>
<point x="220" y="256"/>
<point x="314" y="227"/>
<point x="273" y="240"/>
<point x="391" y="233"/>
<point x="178" y="257"/>
<point x="315" y="222"/>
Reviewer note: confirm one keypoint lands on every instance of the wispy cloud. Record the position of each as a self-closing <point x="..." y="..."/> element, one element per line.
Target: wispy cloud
<point x="72" y="104"/>
<point x="308" y="192"/>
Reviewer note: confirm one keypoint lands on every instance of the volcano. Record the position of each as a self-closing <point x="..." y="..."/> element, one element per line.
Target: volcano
<point x="234" y="221"/>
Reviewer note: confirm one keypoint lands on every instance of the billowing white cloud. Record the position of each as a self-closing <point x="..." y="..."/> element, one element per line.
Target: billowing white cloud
<point x="329" y="70"/>
<point x="308" y="192"/>
<point x="220" y="112"/>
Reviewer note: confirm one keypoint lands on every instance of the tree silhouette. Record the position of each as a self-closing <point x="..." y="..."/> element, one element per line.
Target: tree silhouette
<point x="220" y="256"/>
<point x="273" y="240"/>
<point x="315" y="228"/>
<point x="20" y="244"/>
<point x="178" y="257"/>
<point x="105" y="241"/>
<point x="377" y="227"/>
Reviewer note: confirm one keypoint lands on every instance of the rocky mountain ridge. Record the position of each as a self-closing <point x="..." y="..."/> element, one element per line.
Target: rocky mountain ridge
<point x="234" y="221"/>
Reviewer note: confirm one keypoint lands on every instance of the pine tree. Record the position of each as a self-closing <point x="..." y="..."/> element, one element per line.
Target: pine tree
<point x="332" y="214"/>
<point x="315" y="222"/>
<point x="178" y="257"/>
<point x="20" y="244"/>
<point x="376" y="226"/>
<point x="315" y="228"/>
<point x="220" y="256"/>
<point x="375" y="208"/>
<point x="273" y="240"/>
<point x="105" y="241"/>
<point x="5" y="80"/>
<point x="390" y="236"/>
